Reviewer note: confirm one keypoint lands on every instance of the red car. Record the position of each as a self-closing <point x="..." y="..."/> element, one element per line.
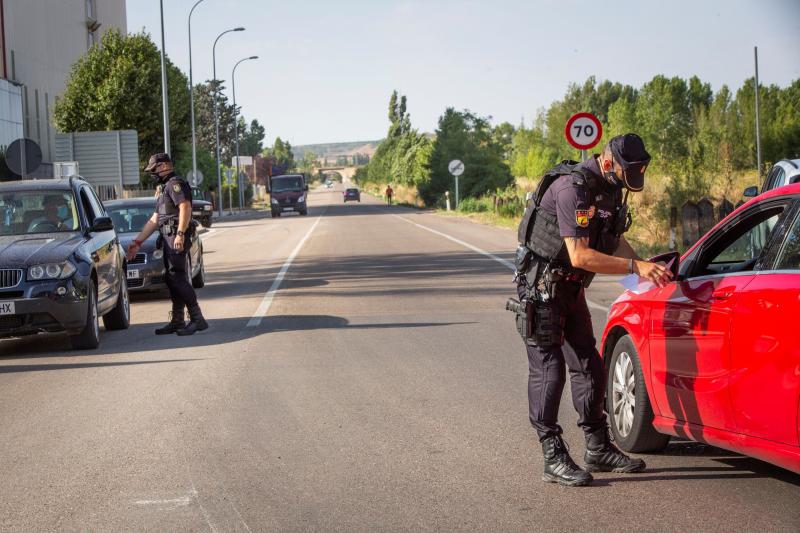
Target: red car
<point x="714" y="356"/>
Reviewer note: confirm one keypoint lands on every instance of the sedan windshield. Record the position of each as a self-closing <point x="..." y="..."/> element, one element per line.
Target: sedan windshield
<point x="287" y="184"/>
<point x="31" y="212"/>
<point x="130" y="218"/>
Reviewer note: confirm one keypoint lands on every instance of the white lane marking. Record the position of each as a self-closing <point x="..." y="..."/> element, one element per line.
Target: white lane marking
<point x="173" y="503"/>
<point x="462" y="243"/>
<point x="500" y="260"/>
<point x="266" y="302"/>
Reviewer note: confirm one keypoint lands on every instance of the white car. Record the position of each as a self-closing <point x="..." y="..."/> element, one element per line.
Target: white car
<point x="782" y="173"/>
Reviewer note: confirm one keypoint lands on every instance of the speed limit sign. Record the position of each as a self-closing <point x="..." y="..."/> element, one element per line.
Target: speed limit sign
<point x="583" y="131"/>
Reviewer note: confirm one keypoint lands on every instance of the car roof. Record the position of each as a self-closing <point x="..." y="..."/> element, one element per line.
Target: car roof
<point x="59" y="184"/>
<point x="794" y="163"/>
<point x="145" y="201"/>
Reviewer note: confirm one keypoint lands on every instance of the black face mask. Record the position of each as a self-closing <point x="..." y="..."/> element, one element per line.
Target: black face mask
<point x="613" y="179"/>
<point x="158" y="178"/>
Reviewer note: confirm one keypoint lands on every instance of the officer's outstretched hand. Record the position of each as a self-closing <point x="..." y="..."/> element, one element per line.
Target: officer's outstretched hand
<point x="653" y="272"/>
<point x="132" y="249"/>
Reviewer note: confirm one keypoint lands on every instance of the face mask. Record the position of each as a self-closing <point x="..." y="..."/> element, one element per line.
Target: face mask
<point x="613" y="179"/>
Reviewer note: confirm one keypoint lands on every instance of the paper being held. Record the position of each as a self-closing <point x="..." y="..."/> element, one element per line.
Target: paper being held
<point x="637" y="284"/>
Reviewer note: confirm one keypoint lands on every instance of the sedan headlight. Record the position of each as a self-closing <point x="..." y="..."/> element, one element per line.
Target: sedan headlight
<point x="207" y="208"/>
<point x="158" y="254"/>
<point x="275" y="201"/>
<point x="51" y="271"/>
<point x="302" y="198"/>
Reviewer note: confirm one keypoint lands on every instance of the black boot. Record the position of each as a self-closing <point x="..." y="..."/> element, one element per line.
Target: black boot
<point x="176" y="323"/>
<point x="559" y="466"/>
<point x="196" y="322"/>
<point x="603" y="456"/>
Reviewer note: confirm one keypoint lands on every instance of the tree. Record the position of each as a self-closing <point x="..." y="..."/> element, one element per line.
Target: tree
<point x="252" y="138"/>
<point x="466" y="136"/>
<point x="204" y="120"/>
<point x="117" y="85"/>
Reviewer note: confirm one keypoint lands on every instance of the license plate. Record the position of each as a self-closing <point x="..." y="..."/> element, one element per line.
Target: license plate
<point x="288" y="208"/>
<point x="196" y="213"/>
<point x="133" y="274"/>
<point x="6" y="308"/>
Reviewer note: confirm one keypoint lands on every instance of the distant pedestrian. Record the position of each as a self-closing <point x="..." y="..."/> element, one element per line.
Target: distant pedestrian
<point x="173" y="219"/>
<point x="389" y="193"/>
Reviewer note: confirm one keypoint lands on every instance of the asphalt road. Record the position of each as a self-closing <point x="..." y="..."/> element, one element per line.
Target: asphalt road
<point x="376" y="384"/>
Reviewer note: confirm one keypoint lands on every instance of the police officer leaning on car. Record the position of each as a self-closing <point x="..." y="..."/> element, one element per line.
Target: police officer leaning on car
<point x="575" y="231"/>
<point x="173" y="219"/>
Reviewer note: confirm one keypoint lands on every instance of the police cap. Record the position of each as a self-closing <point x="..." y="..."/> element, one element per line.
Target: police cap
<point x="629" y="152"/>
<point x="155" y="159"/>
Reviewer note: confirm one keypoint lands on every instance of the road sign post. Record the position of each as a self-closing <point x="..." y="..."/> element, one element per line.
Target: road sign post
<point x="229" y="181"/>
<point x="583" y="131"/>
<point x="456" y="168"/>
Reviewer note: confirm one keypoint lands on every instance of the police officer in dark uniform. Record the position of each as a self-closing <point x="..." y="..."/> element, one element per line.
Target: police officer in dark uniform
<point x="577" y="232"/>
<point x="173" y="219"/>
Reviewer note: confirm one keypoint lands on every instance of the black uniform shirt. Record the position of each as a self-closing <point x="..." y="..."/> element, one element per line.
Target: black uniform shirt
<point x="571" y="204"/>
<point x="174" y="192"/>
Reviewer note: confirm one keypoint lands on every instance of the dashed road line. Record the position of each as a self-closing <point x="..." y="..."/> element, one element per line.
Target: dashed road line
<point x="507" y="264"/>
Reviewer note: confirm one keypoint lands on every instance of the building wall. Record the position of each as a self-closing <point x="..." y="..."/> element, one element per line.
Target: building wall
<point x="43" y="38"/>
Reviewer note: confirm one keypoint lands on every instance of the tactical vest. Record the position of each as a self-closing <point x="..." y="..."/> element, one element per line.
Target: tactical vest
<point x="166" y="209"/>
<point x="608" y="221"/>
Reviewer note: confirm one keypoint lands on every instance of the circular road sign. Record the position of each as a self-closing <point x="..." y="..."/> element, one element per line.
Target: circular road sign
<point x="194" y="179"/>
<point x="583" y="131"/>
<point x="456" y="167"/>
<point x="27" y="149"/>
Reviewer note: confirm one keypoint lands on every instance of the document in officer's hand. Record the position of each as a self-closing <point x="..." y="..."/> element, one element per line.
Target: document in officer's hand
<point x="638" y="285"/>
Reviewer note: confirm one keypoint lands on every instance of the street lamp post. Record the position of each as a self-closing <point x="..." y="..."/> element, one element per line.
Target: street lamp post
<point x="164" y="95"/>
<point x="191" y="92"/>
<point x="236" y="125"/>
<point x="216" y="115"/>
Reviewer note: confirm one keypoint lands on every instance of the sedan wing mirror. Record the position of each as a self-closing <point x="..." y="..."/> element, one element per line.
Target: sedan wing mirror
<point x="102" y="224"/>
<point x="673" y="259"/>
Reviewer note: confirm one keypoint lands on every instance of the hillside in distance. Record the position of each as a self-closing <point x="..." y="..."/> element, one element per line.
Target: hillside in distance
<point x="333" y="150"/>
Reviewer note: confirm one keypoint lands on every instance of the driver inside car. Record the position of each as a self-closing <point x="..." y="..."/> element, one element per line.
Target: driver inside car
<point x="52" y="220"/>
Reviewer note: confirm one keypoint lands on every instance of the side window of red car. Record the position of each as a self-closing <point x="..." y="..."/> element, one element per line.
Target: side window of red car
<point x="739" y="248"/>
<point x="789" y="254"/>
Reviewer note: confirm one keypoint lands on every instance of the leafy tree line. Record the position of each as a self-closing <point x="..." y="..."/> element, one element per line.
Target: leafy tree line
<point x="117" y="85"/>
<point x="408" y="157"/>
<point x="698" y="138"/>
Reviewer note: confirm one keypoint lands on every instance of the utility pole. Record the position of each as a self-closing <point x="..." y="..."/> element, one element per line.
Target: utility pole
<point x="164" y="95"/>
<point x="191" y="93"/>
<point x="758" y="120"/>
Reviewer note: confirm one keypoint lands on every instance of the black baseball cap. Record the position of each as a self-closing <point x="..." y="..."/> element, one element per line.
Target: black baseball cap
<point x="629" y="152"/>
<point x="155" y="159"/>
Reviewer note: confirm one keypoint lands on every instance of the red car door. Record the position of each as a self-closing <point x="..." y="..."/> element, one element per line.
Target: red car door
<point x="765" y="357"/>
<point x="690" y="349"/>
<point x="690" y="334"/>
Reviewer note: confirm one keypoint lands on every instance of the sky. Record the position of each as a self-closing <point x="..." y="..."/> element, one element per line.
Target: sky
<point x="326" y="68"/>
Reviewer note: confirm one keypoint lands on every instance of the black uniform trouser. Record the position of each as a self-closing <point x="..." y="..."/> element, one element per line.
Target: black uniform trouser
<point x="547" y="373"/>
<point x="177" y="277"/>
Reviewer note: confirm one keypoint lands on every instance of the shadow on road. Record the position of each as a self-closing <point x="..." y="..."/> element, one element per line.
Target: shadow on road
<point x="9" y="369"/>
<point x="139" y="338"/>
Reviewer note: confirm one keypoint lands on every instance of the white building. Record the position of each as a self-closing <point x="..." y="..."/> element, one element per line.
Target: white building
<point x="39" y="42"/>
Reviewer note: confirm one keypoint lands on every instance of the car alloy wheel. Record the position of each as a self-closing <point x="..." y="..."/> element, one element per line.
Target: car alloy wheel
<point x="95" y="318"/>
<point x="623" y="401"/>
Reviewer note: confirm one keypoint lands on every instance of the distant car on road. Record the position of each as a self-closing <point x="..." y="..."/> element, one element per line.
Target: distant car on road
<point x="714" y="355"/>
<point x="202" y="209"/>
<point x="61" y="263"/>
<point x="352" y="194"/>
<point x="146" y="271"/>
<point x="784" y="172"/>
<point x="288" y="193"/>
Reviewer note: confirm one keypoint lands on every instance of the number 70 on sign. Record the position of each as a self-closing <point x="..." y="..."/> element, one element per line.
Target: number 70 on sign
<point x="583" y="131"/>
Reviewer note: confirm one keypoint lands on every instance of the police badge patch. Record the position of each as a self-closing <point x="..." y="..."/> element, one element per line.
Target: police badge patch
<point x="582" y="217"/>
<point x="176" y="188"/>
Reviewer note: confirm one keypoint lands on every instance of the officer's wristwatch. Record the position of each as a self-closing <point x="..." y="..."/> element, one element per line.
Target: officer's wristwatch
<point x="180" y="233"/>
<point x="630" y="266"/>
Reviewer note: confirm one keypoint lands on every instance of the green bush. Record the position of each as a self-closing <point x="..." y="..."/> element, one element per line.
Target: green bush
<point x="475" y="205"/>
